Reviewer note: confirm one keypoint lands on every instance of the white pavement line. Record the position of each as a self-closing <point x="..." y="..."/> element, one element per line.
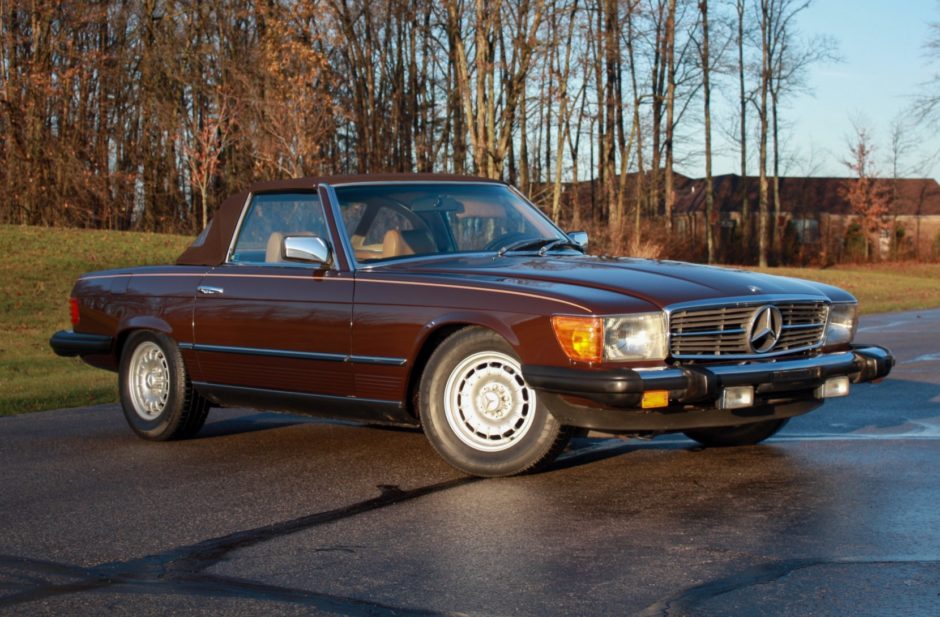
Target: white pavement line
<point x="927" y="357"/>
<point x="930" y="434"/>
<point x="912" y="319"/>
<point x="860" y="437"/>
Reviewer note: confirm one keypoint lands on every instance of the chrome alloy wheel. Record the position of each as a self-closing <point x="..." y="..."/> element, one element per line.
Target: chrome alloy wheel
<point x="150" y="380"/>
<point x="487" y="402"/>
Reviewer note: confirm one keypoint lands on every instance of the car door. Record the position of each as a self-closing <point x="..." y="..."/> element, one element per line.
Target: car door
<point x="265" y="324"/>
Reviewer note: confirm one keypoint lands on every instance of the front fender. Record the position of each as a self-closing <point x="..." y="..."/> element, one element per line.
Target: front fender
<point x="489" y="321"/>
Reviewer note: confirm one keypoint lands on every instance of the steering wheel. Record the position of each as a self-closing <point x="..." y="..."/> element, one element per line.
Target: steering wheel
<point x="373" y="207"/>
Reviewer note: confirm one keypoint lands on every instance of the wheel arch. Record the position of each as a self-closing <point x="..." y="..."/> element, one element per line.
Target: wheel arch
<point x="434" y="333"/>
<point x="135" y="324"/>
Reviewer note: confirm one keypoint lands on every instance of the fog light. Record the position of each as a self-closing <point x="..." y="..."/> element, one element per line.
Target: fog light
<point x="655" y="398"/>
<point x="736" y="397"/>
<point x="835" y="386"/>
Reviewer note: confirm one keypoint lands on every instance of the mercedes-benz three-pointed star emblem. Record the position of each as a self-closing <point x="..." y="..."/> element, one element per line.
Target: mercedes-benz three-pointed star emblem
<point x="764" y="330"/>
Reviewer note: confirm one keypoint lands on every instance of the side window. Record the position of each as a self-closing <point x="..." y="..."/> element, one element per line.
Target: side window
<point x="368" y="222"/>
<point x="270" y="217"/>
<point x="386" y="219"/>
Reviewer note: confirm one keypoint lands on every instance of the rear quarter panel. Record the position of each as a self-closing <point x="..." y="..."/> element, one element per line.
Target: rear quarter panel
<point x="116" y="302"/>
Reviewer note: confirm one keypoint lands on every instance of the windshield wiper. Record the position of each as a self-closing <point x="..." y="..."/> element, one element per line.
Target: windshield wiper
<point x="529" y="243"/>
<point x="560" y="243"/>
<point x="543" y="244"/>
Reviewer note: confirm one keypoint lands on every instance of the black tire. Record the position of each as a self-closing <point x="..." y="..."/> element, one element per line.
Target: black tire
<point x="743" y="435"/>
<point x="158" y="399"/>
<point x="515" y="433"/>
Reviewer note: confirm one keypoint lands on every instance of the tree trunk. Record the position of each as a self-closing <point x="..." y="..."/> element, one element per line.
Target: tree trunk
<point x="745" y="201"/>
<point x="709" y="188"/>
<point x="598" y="47"/>
<point x="564" y="115"/>
<point x="640" y="197"/>
<point x="776" y="229"/>
<point x="764" y="86"/>
<point x="614" y="109"/>
<point x="668" y="182"/>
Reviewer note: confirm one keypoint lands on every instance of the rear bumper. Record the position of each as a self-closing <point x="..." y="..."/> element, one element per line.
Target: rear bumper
<point x="68" y="343"/>
<point x="610" y="399"/>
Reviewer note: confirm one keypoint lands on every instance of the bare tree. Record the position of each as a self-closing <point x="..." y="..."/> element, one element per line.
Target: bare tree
<point x="203" y="147"/>
<point x="669" y="45"/>
<point x="789" y="60"/>
<point x="743" y="100"/>
<point x="566" y="108"/>
<point x="122" y="114"/>
<point x="490" y="139"/>
<point x="706" y="95"/>
<point x="867" y="195"/>
<point x="927" y="104"/>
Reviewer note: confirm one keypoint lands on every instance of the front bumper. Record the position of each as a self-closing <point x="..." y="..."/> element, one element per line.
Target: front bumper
<point x="611" y="399"/>
<point x="69" y="343"/>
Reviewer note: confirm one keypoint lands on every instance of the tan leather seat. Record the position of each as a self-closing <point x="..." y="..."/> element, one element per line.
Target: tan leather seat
<point x="411" y="242"/>
<point x="274" y="251"/>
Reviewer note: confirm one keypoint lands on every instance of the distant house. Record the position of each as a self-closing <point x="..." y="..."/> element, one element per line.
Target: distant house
<point x="815" y="211"/>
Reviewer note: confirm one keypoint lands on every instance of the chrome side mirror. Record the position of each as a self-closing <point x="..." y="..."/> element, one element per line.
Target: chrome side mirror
<point x="579" y="237"/>
<point x="308" y="249"/>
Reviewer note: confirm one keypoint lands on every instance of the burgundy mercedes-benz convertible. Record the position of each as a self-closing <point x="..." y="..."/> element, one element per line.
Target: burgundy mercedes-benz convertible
<point x="453" y="304"/>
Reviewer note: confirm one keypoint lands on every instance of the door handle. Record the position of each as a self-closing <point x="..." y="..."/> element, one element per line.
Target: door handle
<point x="208" y="290"/>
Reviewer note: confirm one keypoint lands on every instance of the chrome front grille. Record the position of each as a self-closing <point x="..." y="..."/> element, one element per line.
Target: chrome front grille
<point x="721" y="332"/>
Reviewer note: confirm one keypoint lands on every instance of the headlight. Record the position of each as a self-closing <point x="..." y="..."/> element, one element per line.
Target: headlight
<point x="641" y="336"/>
<point x="635" y="337"/>
<point x="843" y="321"/>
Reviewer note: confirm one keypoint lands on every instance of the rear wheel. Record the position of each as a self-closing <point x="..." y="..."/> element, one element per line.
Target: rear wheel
<point x="743" y="435"/>
<point x="157" y="397"/>
<point x="480" y="414"/>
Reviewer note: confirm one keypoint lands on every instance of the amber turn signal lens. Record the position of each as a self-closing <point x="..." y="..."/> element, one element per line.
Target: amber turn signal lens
<point x="581" y="338"/>
<point x="655" y="398"/>
<point x="73" y="310"/>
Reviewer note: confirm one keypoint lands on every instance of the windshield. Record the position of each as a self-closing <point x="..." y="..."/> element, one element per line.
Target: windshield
<point x="402" y="219"/>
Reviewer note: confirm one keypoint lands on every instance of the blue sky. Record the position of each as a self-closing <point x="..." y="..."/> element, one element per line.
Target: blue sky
<point x="884" y="65"/>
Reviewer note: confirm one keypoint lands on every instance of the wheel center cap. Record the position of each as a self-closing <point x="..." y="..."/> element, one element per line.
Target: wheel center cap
<point x="491" y="402"/>
<point x="154" y="381"/>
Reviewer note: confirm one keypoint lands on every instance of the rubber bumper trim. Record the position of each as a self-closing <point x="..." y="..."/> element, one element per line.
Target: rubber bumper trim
<point x="624" y="387"/>
<point x="873" y="362"/>
<point x="68" y="343"/>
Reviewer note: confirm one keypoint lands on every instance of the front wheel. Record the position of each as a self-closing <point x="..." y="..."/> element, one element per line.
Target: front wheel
<point x="743" y="435"/>
<point x="157" y="397"/>
<point x="479" y="413"/>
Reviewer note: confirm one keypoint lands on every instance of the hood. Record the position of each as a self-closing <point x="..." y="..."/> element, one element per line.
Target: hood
<point x="660" y="283"/>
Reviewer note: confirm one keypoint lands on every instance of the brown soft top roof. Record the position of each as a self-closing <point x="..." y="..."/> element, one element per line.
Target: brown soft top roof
<point x="210" y="247"/>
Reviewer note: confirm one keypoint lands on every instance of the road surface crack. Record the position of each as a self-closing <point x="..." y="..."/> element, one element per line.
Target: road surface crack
<point x="182" y="570"/>
<point x="684" y="602"/>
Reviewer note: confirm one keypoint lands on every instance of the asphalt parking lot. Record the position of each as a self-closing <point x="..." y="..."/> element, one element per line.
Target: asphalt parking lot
<point x="837" y="515"/>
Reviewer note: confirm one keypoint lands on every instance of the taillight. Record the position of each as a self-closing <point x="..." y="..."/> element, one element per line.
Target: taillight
<point x="73" y="311"/>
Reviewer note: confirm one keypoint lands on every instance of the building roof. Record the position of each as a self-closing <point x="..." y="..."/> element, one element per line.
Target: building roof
<point x="809" y="197"/>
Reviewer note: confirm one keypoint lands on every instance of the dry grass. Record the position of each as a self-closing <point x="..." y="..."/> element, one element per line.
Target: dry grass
<point x="880" y="288"/>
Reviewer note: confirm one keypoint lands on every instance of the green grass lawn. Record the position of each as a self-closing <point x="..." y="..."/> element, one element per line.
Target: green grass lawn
<point x="37" y="272"/>
<point x="880" y="288"/>
<point x="41" y="265"/>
